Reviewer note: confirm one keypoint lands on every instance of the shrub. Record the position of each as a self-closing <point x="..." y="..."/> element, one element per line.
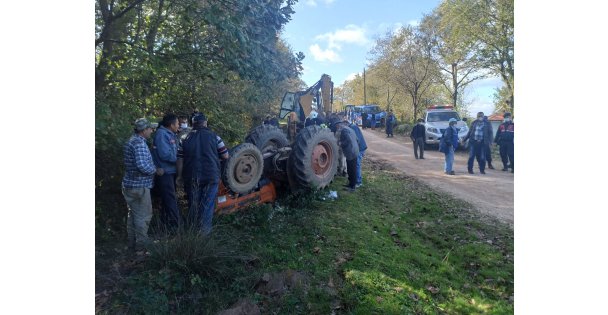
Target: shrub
<point x="191" y="252"/>
<point x="403" y="129"/>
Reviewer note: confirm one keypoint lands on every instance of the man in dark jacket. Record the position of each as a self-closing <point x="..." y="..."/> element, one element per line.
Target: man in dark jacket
<point x="479" y="135"/>
<point x="362" y="148"/>
<point x="390" y="121"/>
<point x="504" y="138"/>
<point x="348" y="142"/>
<point x="487" y="148"/>
<point x="373" y="121"/>
<point x="364" y="120"/>
<point x="198" y="164"/>
<point x="418" y="135"/>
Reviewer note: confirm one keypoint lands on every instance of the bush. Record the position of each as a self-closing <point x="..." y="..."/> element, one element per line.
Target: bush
<point x="403" y="129"/>
<point x="191" y="252"/>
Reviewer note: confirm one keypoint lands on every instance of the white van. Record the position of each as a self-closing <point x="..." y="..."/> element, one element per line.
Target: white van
<point x="436" y="122"/>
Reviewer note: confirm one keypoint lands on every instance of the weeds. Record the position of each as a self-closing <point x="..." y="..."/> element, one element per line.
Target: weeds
<point x="392" y="247"/>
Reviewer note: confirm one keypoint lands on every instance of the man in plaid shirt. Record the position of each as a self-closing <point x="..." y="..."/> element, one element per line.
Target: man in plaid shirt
<point x="137" y="182"/>
<point x="480" y="135"/>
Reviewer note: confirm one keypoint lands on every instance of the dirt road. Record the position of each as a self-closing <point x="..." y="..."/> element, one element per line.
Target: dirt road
<point x="491" y="193"/>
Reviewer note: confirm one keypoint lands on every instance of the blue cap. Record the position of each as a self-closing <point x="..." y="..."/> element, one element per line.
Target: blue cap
<point x="199" y="118"/>
<point x="453" y="120"/>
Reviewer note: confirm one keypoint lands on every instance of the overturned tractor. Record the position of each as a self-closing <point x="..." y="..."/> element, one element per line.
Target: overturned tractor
<point x="267" y="163"/>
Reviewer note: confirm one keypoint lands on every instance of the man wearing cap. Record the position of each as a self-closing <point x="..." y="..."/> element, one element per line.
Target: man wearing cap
<point x="450" y="138"/>
<point x="504" y="138"/>
<point x="164" y="154"/>
<point x="198" y="163"/>
<point x="480" y="135"/>
<point x="137" y="182"/>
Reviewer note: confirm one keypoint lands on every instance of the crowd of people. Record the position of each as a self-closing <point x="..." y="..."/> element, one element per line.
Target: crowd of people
<point x="180" y="155"/>
<point x="190" y="156"/>
<point x="481" y="140"/>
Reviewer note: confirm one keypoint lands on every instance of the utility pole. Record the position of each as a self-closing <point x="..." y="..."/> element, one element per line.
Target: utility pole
<point x="364" y="94"/>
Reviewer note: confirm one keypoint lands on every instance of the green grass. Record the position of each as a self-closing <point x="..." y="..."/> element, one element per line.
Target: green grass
<point x="392" y="247"/>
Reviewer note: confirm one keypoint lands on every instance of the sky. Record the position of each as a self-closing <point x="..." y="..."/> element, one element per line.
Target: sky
<point x="337" y="35"/>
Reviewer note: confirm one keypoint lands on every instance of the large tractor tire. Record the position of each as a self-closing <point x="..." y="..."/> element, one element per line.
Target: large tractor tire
<point x="314" y="158"/>
<point x="244" y="168"/>
<point x="267" y="138"/>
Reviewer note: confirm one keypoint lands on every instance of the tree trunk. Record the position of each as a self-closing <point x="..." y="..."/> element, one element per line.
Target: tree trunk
<point x="455" y="85"/>
<point x="151" y="38"/>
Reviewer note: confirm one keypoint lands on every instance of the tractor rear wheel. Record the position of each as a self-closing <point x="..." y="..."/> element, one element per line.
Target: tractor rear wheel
<point x="314" y="158"/>
<point x="267" y="138"/>
<point x="244" y="168"/>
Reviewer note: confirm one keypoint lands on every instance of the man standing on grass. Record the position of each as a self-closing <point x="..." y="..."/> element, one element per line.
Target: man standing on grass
<point x="136" y="184"/>
<point x="198" y="163"/>
<point x="347" y="140"/>
<point x="164" y="154"/>
<point x="362" y="147"/>
<point x="417" y="135"/>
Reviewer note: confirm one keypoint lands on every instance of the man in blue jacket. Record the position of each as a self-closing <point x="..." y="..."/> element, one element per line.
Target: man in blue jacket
<point x="164" y="152"/>
<point x="450" y="139"/>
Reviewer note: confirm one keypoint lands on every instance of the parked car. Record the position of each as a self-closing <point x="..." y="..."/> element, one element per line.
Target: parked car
<point x="436" y="122"/>
<point x="353" y="112"/>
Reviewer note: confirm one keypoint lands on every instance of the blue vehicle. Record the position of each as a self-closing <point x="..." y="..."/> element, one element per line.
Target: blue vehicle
<point x="354" y="114"/>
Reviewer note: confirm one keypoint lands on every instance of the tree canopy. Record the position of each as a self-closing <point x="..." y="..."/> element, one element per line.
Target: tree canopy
<point x="459" y="42"/>
<point x="222" y="57"/>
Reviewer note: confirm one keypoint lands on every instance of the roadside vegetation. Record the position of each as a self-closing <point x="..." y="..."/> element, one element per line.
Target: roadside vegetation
<point x="393" y="247"/>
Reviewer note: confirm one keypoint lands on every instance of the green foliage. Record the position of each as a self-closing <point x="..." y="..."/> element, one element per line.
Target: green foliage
<point x="490" y="26"/>
<point x="460" y="42"/>
<point x="157" y="57"/>
<point x="392" y="247"/>
<point x="191" y="252"/>
<point x="502" y="98"/>
<point x="403" y="129"/>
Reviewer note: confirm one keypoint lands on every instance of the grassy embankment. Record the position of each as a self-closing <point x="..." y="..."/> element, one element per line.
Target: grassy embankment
<point x="392" y="247"/>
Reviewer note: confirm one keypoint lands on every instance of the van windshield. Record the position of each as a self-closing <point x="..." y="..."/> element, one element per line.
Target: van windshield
<point x="364" y="108"/>
<point x="441" y="116"/>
